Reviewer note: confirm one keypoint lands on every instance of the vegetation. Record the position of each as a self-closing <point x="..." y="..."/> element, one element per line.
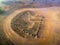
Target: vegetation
<point x="1" y="11"/>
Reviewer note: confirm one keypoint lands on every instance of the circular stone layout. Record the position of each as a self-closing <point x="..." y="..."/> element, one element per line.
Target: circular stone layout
<point x="28" y="24"/>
